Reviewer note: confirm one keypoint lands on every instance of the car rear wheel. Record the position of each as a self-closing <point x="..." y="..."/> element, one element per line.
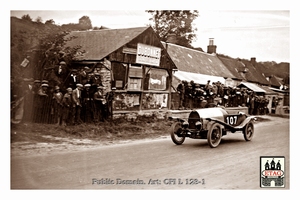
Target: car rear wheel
<point x="214" y="135"/>
<point x="248" y="131"/>
<point x="175" y="130"/>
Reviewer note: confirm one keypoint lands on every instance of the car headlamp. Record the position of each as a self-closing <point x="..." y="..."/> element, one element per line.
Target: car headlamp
<point x="185" y="125"/>
<point x="198" y="125"/>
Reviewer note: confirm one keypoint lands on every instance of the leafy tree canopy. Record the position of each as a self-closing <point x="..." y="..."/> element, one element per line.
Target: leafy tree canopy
<point x="42" y="44"/>
<point x="50" y="21"/>
<point x="39" y="20"/>
<point x="85" y="22"/>
<point x="26" y="17"/>
<point x="178" y="22"/>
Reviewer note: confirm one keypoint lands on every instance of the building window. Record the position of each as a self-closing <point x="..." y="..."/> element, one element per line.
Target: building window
<point x="119" y="74"/>
<point x="134" y="84"/>
<point x="135" y="76"/>
<point x="156" y="79"/>
<point x="119" y="84"/>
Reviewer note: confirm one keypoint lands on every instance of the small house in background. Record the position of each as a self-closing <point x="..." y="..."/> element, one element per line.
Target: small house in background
<point x="197" y="66"/>
<point x="131" y="60"/>
<point x="257" y="78"/>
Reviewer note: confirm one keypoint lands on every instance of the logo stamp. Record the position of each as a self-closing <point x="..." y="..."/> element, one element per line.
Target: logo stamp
<point x="272" y="171"/>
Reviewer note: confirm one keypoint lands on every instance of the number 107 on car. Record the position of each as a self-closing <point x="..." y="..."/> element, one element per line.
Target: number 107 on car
<point x="231" y="119"/>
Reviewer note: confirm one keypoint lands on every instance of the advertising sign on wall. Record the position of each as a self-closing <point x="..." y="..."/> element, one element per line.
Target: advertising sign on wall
<point x="154" y="101"/>
<point x="148" y="55"/>
<point x="157" y="78"/>
<point x="124" y="101"/>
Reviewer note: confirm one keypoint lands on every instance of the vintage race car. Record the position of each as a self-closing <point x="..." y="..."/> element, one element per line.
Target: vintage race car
<point x="212" y="124"/>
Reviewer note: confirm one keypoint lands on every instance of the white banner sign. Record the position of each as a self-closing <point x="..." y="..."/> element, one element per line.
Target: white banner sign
<point x="148" y="55"/>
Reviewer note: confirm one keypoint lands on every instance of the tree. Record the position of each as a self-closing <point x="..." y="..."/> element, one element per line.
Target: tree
<point x="27" y="17"/>
<point x="50" y="21"/>
<point x="85" y="22"/>
<point x="178" y="22"/>
<point x="43" y="45"/>
<point x="52" y="50"/>
<point x="39" y="20"/>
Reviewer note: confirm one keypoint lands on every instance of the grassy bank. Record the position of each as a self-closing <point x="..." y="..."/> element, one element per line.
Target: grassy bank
<point x="118" y="129"/>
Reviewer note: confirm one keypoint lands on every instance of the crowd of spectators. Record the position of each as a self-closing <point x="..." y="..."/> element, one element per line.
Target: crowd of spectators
<point x="193" y="95"/>
<point x="87" y="102"/>
<point x="44" y="103"/>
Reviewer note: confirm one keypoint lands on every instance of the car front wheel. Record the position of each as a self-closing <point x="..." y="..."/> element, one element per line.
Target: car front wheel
<point x="248" y="131"/>
<point x="214" y="135"/>
<point x="175" y="130"/>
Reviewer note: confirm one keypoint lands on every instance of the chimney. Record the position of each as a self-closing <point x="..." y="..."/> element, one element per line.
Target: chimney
<point x="172" y="38"/>
<point x="211" y="48"/>
<point x="253" y="61"/>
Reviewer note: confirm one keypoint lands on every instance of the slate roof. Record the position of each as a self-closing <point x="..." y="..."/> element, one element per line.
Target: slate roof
<point x="233" y="66"/>
<point x="273" y="81"/>
<point x="100" y="43"/>
<point x="190" y="60"/>
<point x="254" y="73"/>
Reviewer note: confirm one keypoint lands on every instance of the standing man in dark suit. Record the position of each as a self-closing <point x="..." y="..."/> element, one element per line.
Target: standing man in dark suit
<point x="180" y="89"/>
<point x="100" y="103"/>
<point x="67" y="103"/>
<point x="77" y="103"/>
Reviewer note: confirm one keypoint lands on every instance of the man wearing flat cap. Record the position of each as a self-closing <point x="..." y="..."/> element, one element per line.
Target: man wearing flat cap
<point x="62" y="68"/>
<point x="97" y="79"/>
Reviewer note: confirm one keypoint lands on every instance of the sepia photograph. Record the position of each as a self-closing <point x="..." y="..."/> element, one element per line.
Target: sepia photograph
<point x="144" y="99"/>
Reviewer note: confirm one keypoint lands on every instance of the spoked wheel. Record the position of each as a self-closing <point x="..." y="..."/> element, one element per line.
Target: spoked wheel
<point x="214" y="135"/>
<point x="176" y="129"/>
<point x="248" y="131"/>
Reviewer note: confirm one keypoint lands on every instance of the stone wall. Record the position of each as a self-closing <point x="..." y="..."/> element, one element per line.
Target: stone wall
<point x="105" y="75"/>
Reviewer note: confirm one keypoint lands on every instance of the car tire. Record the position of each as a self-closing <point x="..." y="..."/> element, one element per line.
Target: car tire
<point x="248" y="131"/>
<point x="175" y="129"/>
<point x="214" y="135"/>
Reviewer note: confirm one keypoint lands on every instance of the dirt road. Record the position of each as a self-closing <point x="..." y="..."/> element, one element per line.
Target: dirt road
<point x="157" y="164"/>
